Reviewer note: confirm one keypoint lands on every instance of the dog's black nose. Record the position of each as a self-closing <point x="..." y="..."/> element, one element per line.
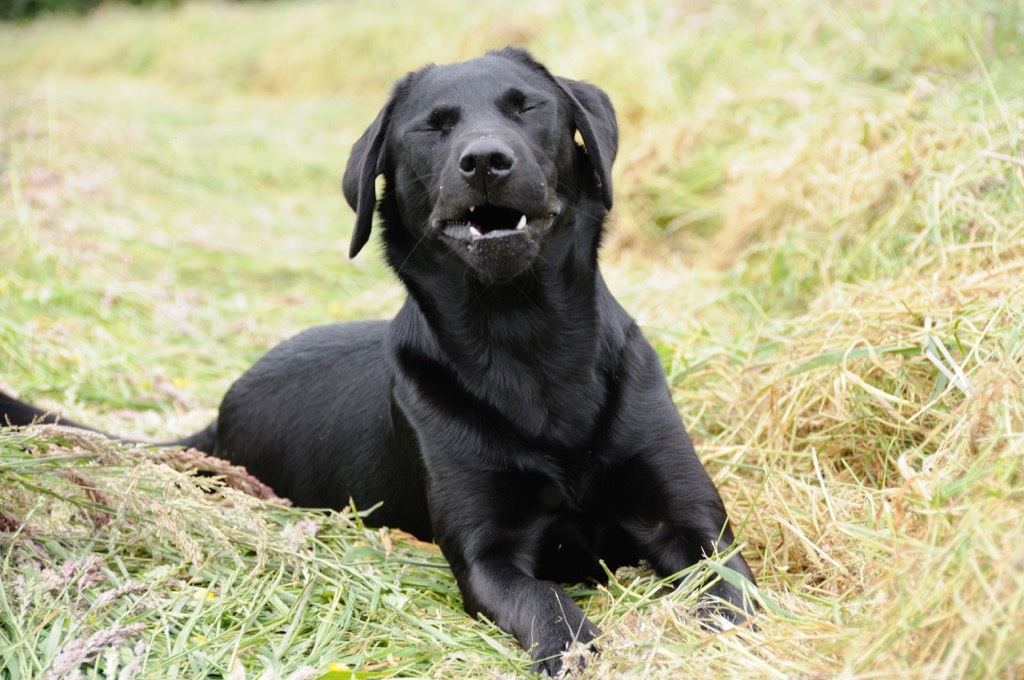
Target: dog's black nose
<point x="487" y="158"/>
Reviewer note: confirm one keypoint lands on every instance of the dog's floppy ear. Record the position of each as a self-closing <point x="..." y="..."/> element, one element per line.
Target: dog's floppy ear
<point x="594" y="117"/>
<point x="592" y="114"/>
<point x="359" y="182"/>
<point x="365" y="163"/>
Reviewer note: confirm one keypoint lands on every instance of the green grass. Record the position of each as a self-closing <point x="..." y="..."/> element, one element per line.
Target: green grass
<point x="819" y="222"/>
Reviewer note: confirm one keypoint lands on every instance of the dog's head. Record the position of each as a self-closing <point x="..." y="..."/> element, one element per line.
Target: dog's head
<point x="480" y="157"/>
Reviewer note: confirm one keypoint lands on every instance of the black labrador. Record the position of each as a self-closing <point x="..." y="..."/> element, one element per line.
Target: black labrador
<point x="512" y="411"/>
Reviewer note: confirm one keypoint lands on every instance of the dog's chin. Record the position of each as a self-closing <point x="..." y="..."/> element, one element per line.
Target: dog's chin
<point x="495" y="249"/>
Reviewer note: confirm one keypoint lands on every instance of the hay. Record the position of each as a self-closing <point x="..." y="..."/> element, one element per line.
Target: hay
<point x="819" y="222"/>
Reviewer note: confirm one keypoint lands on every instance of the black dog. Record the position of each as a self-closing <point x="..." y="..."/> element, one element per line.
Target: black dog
<point x="512" y="411"/>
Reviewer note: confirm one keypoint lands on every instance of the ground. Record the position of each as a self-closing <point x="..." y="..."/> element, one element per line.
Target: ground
<point x="818" y="222"/>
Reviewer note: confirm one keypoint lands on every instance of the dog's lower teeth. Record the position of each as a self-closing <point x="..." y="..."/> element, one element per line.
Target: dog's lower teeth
<point x="522" y="223"/>
<point x="474" y="232"/>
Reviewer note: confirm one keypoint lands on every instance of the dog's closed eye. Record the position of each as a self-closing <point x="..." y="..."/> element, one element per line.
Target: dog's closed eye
<point x="444" y="119"/>
<point x="516" y="103"/>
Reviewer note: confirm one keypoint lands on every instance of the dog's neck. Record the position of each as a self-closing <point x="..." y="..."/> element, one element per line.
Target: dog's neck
<point x="530" y="345"/>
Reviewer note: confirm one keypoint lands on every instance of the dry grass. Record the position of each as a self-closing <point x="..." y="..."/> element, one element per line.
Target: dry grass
<point x="819" y="220"/>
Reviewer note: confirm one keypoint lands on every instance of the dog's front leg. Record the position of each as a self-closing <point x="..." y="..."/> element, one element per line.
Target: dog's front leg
<point x="490" y="537"/>
<point x="539" y="613"/>
<point x="678" y="519"/>
<point x="697" y="533"/>
<point x="669" y="503"/>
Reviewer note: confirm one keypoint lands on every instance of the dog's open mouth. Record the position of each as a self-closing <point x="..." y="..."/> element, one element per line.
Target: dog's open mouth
<point x="496" y="241"/>
<point x="488" y="222"/>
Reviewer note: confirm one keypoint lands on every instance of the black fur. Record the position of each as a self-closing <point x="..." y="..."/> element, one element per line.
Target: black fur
<point x="512" y="410"/>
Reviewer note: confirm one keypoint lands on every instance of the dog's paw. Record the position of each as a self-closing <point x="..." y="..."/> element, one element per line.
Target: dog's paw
<point x="566" y="657"/>
<point x="724" y="606"/>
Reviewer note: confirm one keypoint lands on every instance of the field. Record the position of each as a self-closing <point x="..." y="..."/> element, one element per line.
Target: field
<point x="819" y="224"/>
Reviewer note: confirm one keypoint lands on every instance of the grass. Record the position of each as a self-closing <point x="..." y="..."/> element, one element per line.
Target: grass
<point x="819" y="222"/>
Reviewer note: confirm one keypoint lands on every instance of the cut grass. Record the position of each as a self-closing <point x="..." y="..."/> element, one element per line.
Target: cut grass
<point x="114" y="538"/>
<point x="819" y="221"/>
